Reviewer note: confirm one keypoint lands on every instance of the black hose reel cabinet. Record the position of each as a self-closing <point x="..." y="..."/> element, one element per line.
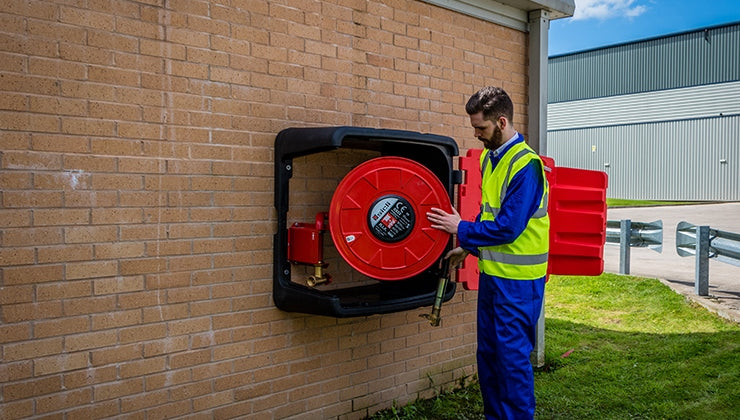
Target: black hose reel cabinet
<point x="376" y="219"/>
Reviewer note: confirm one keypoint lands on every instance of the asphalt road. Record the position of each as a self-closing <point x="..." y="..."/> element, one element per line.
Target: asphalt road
<point x="676" y="271"/>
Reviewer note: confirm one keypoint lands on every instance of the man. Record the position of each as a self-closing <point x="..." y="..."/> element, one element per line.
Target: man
<point x="510" y="237"/>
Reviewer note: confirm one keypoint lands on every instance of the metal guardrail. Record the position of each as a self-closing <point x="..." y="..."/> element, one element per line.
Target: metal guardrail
<point x="637" y="235"/>
<point x="704" y="243"/>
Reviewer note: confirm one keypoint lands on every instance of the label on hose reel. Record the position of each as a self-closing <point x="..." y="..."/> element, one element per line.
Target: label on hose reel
<point x="391" y="218"/>
<point x="377" y="218"/>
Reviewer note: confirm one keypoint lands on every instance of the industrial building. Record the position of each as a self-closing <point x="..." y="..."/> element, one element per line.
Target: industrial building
<point x="660" y="116"/>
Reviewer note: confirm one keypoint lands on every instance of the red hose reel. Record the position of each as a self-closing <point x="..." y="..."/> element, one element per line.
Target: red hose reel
<point x="377" y="218"/>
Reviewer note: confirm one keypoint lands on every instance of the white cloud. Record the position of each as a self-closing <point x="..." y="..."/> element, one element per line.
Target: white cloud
<point x="606" y="9"/>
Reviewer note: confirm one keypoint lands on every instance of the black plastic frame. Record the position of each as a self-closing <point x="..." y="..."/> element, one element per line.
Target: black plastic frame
<point x="433" y="151"/>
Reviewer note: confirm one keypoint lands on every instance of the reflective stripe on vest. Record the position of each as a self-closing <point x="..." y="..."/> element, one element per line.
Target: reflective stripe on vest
<point x="487" y="254"/>
<point x="526" y="257"/>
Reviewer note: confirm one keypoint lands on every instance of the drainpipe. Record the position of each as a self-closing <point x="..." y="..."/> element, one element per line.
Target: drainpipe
<point x="539" y="23"/>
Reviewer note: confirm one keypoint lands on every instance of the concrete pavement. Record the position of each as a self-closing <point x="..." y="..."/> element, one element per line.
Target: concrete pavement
<point x="679" y="272"/>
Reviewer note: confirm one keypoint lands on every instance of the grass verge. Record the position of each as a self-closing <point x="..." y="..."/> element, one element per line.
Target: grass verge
<point x="621" y="202"/>
<point x="618" y="347"/>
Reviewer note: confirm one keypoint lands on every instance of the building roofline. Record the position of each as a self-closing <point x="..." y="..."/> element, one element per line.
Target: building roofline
<point x="653" y="38"/>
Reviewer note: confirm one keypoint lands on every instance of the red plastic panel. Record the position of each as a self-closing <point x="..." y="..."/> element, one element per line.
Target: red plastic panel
<point x="378" y="222"/>
<point x="577" y="221"/>
<point x="577" y="208"/>
<point x="468" y="200"/>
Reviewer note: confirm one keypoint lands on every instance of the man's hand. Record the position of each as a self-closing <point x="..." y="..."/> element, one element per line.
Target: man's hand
<point x="456" y="256"/>
<point x="444" y="221"/>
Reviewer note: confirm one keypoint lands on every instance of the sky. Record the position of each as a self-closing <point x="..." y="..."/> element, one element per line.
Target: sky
<point x="598" y="23"/>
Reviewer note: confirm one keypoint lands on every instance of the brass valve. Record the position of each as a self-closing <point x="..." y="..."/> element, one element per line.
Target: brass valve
<point x="319" y="277"/>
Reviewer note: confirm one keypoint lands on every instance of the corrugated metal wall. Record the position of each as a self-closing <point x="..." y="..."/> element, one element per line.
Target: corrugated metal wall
<point x="693" y="58"/>
<point x="665" y="105"/>
<point x="661" y="117"/>
<point x="696" y="159"/>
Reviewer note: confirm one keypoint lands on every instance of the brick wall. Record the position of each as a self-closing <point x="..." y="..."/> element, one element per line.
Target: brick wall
<point x="137" y="200"/>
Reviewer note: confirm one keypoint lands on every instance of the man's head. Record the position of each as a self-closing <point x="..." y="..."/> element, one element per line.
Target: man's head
<point x="491" y="115"/>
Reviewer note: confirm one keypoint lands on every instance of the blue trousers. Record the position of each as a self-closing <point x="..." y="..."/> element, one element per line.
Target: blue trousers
<point x="507" y="317"/>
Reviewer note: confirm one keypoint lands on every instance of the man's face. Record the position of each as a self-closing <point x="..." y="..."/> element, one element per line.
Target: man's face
<point x="486" y="131"/>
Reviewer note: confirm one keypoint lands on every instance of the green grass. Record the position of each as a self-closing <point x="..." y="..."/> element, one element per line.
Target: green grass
<point x="621" y="202"/>
<point x="618" y="347"/>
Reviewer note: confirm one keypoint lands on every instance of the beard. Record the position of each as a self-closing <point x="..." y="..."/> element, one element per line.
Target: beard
<point x="495" y="141"/>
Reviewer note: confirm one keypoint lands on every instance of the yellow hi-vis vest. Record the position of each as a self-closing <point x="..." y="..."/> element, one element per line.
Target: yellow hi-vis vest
<point x="526" y="257"/>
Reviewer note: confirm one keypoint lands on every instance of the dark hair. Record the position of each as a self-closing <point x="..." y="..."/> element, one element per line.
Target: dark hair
<point x="493" y="102"/>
